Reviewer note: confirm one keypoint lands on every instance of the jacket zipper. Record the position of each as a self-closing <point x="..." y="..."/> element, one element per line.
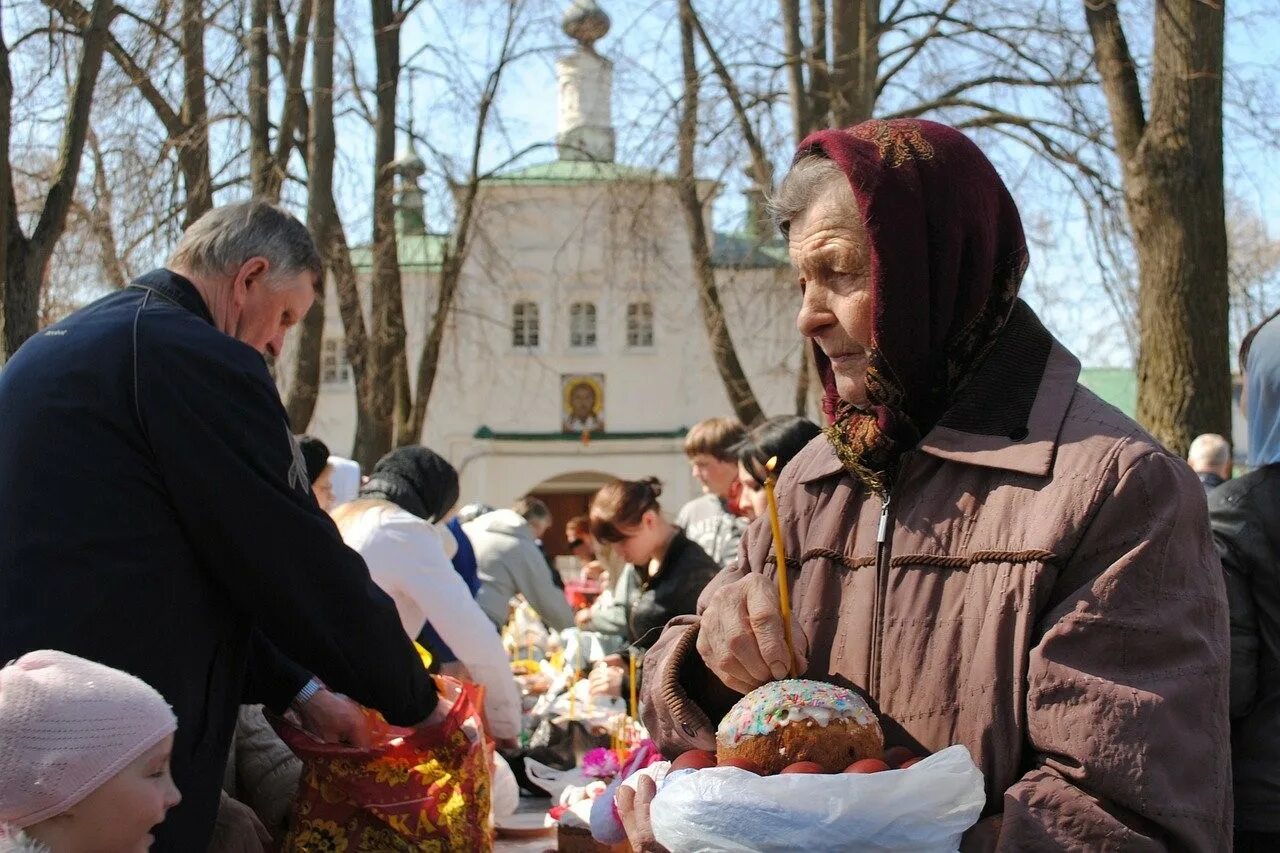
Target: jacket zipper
<point x="883" y="546"/>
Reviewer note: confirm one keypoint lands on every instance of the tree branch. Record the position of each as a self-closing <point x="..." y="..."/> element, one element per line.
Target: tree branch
<point x="1119" y="75"/>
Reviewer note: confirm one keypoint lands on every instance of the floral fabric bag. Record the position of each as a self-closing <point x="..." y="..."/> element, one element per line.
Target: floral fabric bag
<point x="414" y="790"/>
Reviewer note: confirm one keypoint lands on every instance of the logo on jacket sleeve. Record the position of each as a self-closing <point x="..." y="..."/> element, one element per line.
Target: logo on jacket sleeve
<point x="298" y="468"/>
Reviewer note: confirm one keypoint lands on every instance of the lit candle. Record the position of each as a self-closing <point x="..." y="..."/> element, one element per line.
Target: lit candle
<point x="784" y="597"/>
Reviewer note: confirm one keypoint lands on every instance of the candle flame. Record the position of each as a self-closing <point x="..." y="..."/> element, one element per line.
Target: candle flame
<point x="772" y="464"/>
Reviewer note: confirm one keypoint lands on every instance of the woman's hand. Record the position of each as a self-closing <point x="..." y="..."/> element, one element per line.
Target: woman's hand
<point x="741" y="637"/>
<point x="633" y="809"/>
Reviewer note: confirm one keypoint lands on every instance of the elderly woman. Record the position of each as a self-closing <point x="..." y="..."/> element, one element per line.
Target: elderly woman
<point x="992" y="554"/>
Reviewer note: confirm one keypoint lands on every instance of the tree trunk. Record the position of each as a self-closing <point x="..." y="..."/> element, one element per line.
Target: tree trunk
<point x="387" y="308"/>
<point x="193" y="147"/>
<point x="8" y="202"/>
<point x="99" y="218"/>
<point x="323" y="218"/>
<point x="259" y="81"/>
<point x="294" y="112"/>
<point x="736" y="384"/>
<point x="26" y="259"/>
<point x="793" y="56"/>
<point x="855" y="37"/>
<point x="818" y="107"/>
<point x="321" y="151"/>
<point x="1173" y="184"/>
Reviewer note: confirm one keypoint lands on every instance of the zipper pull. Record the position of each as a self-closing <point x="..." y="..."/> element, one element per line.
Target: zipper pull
<point x="884" y="521"/>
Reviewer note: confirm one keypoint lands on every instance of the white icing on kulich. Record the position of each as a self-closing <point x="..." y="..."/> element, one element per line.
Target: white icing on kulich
<point x="781" y="703"/>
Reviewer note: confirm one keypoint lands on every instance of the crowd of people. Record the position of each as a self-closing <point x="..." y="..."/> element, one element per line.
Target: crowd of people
<point x="988" y="552"/>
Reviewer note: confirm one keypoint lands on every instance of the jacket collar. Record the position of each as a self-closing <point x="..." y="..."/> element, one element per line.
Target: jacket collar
<point x="175" y="288"/>
<point x="1009" y="415"/>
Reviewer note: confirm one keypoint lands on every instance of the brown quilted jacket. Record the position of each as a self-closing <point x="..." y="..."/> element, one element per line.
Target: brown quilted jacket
<point x="1046" y="593"/>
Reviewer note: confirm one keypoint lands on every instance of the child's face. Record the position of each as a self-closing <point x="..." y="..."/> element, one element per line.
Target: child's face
<point x="715" y="475"/>
<point x="120" y="815"/>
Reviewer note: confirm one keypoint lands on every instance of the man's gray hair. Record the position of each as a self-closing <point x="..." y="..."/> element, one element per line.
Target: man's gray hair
<point x="808" y="177"/>
<point x="1208" y="452"/>
<point x="219" y="242"/>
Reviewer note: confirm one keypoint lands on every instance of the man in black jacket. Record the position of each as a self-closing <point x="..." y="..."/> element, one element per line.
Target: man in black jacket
<point x="1245" y="513"/>
<point x="155" y="512"/>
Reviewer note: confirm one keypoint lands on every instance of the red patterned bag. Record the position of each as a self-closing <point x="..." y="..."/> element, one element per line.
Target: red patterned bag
<point x="415" y="790"/>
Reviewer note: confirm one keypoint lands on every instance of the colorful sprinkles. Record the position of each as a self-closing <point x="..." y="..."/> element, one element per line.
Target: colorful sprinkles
<point x="781" y="702"/>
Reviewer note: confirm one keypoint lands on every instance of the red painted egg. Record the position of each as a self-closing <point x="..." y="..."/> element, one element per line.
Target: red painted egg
<point x="804" y="767"/>
<point x="867" y="765"/>
<point x="694" y="759"/>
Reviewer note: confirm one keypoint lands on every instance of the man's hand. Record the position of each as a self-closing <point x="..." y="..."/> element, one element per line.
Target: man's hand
<point x="633" y="808"/>
<point x="438" y="715"/>
<point x="741" y="637"/>
<point x="606" y="680"/>
<point x="237" y="829"/>
<point x="582" y="618"/>
<point x="336" y="719"/>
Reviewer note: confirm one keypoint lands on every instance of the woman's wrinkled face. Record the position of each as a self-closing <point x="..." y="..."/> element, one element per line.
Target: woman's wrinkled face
<point x="829" y="250"/>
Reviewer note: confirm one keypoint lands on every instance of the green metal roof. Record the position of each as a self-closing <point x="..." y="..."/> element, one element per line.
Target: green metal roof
<point x="575" y="172"/>
<point x="743" y="251"/>
<point x="415" y="251"/>
<point x="1117" y="385"/>
<point x="485" y="432"/>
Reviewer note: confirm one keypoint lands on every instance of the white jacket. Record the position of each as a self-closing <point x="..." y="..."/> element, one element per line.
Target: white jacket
<point x="406" y="558"/>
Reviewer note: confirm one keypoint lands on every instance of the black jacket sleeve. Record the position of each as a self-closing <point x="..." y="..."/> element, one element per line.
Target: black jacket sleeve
<point x="1240" y="544"/>
<point x="225" y="454"/>
<point x="272" y="679"/>
<point x="675" y="592"/>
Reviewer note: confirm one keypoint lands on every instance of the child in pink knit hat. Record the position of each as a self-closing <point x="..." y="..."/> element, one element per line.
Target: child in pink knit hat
<point x="84" y="757"/>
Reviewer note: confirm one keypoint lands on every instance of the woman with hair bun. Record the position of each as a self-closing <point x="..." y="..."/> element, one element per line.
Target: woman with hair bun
<point x="670" y="570"/>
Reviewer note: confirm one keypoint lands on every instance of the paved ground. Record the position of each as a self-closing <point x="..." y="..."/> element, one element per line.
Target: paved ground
<point x="529" y="813"/>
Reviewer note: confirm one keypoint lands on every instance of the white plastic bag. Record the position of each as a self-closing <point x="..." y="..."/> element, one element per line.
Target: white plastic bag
<point x="926" y="807"/>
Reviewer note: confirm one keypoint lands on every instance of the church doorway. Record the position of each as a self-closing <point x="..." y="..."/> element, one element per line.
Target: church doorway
<point x="566" y="495"/>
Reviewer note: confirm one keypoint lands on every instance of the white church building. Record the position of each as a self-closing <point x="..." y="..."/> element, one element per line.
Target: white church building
<point x="577" y="350"/>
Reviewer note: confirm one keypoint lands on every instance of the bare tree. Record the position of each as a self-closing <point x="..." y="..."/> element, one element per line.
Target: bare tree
<point x="1171" y="157"/>
<point x="723" y="353"/>
<point x="1253" y="269"/>
<point x="374" y="433"/>
<point x="26" y="258"/>
<point x="322" y="215"/>
<point x="187" y="124"/>
<point x="415" y="401"/>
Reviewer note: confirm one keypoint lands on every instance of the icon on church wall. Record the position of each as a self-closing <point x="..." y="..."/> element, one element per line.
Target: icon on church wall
<point x="583" y="401"/>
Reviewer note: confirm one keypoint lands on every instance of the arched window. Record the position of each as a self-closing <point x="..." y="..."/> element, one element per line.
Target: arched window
<point x="582" y="325"/>
<point x="639" y="325"/>
<point x="524" y="324"/>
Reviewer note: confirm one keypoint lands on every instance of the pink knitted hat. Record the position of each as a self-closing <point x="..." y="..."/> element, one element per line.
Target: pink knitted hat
<point x="67" y="725"/>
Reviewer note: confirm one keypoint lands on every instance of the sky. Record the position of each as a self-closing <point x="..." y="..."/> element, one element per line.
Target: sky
<point x="451" y="43"/>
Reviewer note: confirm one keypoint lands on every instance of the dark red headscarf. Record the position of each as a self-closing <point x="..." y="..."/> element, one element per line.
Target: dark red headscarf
<point x="947" y="257"/>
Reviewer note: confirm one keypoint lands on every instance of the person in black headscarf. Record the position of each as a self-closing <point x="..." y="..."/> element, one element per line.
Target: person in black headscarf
<point x="315" y="455"/>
